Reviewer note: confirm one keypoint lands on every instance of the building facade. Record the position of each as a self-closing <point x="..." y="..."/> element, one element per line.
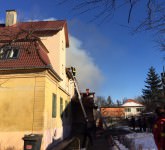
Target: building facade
<point x="129" y="108"/>
<point x="132" y="108"/>
<point x="35" y="91"/>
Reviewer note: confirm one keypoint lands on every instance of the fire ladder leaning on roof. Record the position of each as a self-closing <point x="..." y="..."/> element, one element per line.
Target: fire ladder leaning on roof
<point x="72" y="71"/>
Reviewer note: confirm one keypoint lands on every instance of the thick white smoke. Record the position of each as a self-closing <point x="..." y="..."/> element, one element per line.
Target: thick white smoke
<point x="88" y="74"/>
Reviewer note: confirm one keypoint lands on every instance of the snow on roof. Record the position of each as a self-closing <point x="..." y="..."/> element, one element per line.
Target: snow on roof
<point x="132" y="103"/>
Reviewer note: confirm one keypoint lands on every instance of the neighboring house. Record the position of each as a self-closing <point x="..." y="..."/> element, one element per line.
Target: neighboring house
<point x="34" y="87"/>
<point x="132" y="107"/>
<point x="113" y="112"/>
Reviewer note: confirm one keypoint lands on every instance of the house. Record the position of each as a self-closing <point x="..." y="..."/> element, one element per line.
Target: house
<point x="129" y="108"/>
<point x="34" y="88"/>
<point x="132" y="107"/>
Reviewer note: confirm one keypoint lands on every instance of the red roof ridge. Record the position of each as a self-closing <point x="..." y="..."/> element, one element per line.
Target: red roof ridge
<point x="40" y="28"/>
<point x="62" y="20"/>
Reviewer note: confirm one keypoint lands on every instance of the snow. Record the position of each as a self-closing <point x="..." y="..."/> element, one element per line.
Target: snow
<point x="126" y="128"/>
<point x="120" y="146"/>
<point x="131" y="104"/>
<point x="136" y="141"/>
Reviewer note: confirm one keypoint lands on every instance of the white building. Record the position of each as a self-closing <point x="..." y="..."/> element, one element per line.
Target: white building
<point x="132" y="107"/>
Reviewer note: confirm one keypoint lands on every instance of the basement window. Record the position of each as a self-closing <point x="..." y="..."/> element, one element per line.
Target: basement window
<point x="9" y="52"/>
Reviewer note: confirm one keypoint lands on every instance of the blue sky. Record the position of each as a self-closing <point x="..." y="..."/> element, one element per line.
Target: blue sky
<point x="115" y="62"/>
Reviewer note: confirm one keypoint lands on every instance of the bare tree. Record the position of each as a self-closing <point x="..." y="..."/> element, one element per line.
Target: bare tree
<point x="153" y="13"/>
<point x="100" y="101"/>
<point x="10" y="36"/>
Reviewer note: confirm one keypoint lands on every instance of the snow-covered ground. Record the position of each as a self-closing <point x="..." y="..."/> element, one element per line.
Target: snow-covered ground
<point x="135" y="141"/>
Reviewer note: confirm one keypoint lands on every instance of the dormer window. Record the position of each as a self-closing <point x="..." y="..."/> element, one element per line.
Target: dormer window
<point x="9" y="52"/>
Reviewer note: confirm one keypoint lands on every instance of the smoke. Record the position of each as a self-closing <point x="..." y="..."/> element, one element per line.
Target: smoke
<point x="87" y="72"/>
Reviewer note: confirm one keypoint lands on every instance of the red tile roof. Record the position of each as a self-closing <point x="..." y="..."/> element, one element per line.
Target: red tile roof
<point x="31" y="55"/>
<point x="25" y="36"/>
<point x="40" y="28"/>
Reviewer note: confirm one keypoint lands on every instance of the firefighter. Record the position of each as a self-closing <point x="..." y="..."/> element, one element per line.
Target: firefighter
<point x="159" y="128"/>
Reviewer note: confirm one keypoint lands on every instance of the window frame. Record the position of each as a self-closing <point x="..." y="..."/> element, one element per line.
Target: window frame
<point x="128" y="109"/>
<point x="66" y="109"/>
<point x="61" y="105"/>
<point x="54" y="105"/>
<point x="139" y="109"/>
<point x="7" y="52"/>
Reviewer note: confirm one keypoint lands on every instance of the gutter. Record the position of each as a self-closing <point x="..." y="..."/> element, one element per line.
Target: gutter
<point x="28" y="68"/>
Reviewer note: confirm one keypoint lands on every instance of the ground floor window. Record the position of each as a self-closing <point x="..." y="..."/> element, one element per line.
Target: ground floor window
<point x="127" y="109"/>
<point x="61" y="105"/>
<point x="139" y="109"/>
<point x="54" y="105"/>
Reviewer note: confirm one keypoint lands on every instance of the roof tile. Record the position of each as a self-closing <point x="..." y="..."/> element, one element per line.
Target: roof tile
<point x="31" y="54"/>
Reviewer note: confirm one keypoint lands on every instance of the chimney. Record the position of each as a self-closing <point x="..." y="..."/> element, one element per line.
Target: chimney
<point x="11" y="17"/>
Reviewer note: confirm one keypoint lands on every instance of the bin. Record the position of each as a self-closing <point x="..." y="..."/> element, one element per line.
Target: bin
<point x="32" y="141"/>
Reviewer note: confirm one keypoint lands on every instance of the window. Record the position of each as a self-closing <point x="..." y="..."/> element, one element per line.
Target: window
<point x="13" y="53"/>
<point x="139" y="109"/>
<point x="61" y="105"/>
<point x="66" y="109"/>
<point x="9" y="52"/>
<point x="127" y="109"/>
<point x="54" y="105"/>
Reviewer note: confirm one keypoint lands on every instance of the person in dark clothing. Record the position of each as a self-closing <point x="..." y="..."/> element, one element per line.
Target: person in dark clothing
<point x="140" y="124"/>
<point x="133" y="122"/>
<point x="87" y="134"/>
<point x="159" y="128"/>
<point x="144" y="124"/>
<point x="151" y="121"/>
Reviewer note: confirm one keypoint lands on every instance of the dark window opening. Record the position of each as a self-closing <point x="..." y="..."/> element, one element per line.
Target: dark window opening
<point x="66" y="109"/>
<point x="139" y="109"/>
<point x="61" y="105"/>
<point x="127" y="109"/>
<point x="9" y="53"/>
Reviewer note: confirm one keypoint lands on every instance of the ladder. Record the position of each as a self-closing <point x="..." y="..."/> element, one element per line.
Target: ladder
<point x="80" y="99"/>
<point x="79" y="95"/>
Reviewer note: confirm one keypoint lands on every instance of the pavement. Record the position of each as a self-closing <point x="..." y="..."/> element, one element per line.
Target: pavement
<point x="104" y="139"/>
<point x="101" y="141"/>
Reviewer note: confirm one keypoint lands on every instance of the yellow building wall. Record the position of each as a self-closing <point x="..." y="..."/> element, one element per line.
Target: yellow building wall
<point x="26" y="100"/>
<point x="55" y="128"/>
<point x="21" y="108"/>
